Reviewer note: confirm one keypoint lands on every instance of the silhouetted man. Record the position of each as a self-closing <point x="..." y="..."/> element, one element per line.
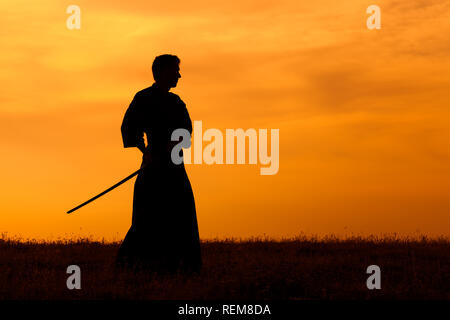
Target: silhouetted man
<point x="164" y="231"/>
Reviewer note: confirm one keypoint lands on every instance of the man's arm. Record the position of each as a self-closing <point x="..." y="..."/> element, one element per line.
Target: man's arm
<point x="132" y="130"/>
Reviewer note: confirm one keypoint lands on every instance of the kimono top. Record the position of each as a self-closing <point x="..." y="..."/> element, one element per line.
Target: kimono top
<point x="157" y="114"/>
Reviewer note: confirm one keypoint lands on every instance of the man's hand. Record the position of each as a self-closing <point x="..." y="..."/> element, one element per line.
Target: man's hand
<point x="146" y="154"/>
<point x="170" y="145"/>
<point x="146" y="157"/>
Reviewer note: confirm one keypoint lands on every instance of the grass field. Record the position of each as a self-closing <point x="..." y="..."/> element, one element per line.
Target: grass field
<point x="300" y="268"/>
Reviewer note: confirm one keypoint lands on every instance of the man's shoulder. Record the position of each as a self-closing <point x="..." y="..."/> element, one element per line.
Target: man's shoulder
<point x="147" y="93"/>
<point x="143" y="92"/>
<point x="150" y="90"/>
<point x="175" y="96"/>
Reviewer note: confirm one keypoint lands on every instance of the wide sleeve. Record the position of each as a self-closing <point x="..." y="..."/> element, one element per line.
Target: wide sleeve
<point x="132" y="129"/>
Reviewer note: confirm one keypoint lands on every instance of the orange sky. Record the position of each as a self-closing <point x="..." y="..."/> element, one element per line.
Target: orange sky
<point x="363" y="114"/>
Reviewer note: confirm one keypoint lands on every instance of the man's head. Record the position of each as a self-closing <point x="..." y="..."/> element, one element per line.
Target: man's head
<point x="166" y="70"/>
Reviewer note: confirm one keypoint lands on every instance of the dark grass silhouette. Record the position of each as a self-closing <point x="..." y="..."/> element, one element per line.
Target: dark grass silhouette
<point x="299" y="268"/>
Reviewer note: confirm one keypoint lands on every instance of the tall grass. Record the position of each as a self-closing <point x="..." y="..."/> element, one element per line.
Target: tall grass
<point x="235" y="268"/>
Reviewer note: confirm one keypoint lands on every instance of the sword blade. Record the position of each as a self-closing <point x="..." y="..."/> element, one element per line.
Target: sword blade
<point x="107" y="190"/>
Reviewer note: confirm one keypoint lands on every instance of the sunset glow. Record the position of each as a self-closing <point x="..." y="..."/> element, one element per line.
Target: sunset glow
<point x="363" y="115"/>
